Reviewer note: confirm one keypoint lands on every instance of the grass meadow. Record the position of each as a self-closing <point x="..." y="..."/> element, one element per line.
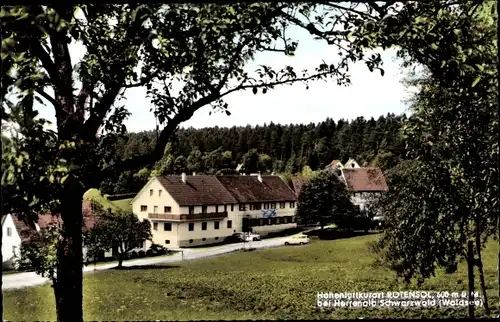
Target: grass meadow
<point x="277" y="283"/>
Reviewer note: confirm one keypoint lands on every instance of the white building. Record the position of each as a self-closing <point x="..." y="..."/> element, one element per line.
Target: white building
<point x="14" y="232"/>
<point x="196" y="210"/>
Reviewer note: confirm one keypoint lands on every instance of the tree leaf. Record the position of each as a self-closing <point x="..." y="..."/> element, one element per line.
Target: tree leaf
<point x="478" y="78"/>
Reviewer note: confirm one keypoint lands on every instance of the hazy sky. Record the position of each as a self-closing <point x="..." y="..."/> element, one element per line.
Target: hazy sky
<point x="369" y="95"/>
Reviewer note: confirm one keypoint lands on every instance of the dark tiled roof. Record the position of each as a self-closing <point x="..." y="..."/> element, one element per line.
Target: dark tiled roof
<point x="250" y="189"/>
<point x="198" y="190"/>
<point x="298" y="183"/>
<point x="365" y="179"/>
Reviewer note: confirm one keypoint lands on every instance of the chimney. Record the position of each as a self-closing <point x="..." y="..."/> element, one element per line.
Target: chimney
<point x="259" y="177"/>
<point x="184" y="178"/>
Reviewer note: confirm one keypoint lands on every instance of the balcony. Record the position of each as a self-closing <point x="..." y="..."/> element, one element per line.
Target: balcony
<point x="191" y="217"/>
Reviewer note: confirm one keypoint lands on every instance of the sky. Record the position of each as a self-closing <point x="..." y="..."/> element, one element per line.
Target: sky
<point x="369" y="95"/>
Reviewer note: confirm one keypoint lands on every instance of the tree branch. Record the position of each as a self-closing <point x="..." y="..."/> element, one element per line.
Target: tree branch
<point x="288" y="81"/>
<point x="49" y="98"/>
<point x="99" y="112"/>
<point x="82" y="99"/>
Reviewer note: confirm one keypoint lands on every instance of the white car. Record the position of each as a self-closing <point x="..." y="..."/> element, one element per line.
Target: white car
<point x="252" y="237"/>
<point x="297" y="240"/>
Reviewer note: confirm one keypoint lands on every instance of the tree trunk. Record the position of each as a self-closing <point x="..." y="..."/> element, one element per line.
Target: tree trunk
<point x="479" y="264"/>
<point x="120" y="260"/>
<point x="470" y="275"/>
<point x="68" y="286"/>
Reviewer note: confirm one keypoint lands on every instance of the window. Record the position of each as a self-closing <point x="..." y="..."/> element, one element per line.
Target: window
<point x="292" y="204"/>
<point x="273" y="205"/>
<point x="191" y="226"/>
<point x="167" y="209"/>
<point x="167" y="241"/>
<point x="268" y="221"/>
<point x="242" y="207"/>
<point x="225" y="208"/>
<point x="203" y="239"/>
<point x="278" y="220"/>
<point x="255" y="206"/>
<point x="155" y="226"/>
<point x="232" y="207"/>
<point x="9" y="231"/>
<point x="204" y="209"/>
<point x="266" y="206"/>
<point x="144" y="208"/>
<point x="155" y="209"/>
<point x="191" y="210"/>
<point x="190" y="241"/>
<point x="289" y="219"/>
<point x="216" y="225"/>
<point x="273" y="221"/>
<point x="261" y="222"/>
<point x="229" y="224"/>
<point x="151" y="192"/>
<point x="167" y="226"/>
<point x="282" y="205"/>
<point x="204" y="225"/>
<point x="159" y="193"/>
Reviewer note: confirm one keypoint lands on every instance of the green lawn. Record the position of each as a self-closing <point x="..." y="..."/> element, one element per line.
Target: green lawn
<point x="121" y="204"/>
<point x="278" y="283"/>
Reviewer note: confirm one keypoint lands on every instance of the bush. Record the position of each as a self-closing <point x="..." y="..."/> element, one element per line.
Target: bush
<point x="141" y="254"/>
<point x="150" y="253"/>
<point x="157" y="249"/>
<point x="354" y="222"/>
<point x="134" y="254"/>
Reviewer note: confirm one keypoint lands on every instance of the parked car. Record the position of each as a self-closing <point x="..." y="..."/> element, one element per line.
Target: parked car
<point x="253" y="237"/>
<point x="243" y="237"/>
<point x="297" y="240"/>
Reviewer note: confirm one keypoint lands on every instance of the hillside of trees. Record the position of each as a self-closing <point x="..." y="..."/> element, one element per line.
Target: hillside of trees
<point x="283" y="149"/>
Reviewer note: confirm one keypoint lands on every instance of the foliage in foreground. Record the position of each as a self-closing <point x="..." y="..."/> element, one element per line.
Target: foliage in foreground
<point x="116" y="228"/>
<point x="283" y="285"/>
<point x="324" y="200"/>
<point x="446" y="195"/>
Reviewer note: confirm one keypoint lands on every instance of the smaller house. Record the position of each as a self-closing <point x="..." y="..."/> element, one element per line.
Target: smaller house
<point x="364" y="184"/>
<point x="14" y="233"/>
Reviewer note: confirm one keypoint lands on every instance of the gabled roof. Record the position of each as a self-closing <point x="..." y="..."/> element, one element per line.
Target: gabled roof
<point x="335" y="163"/>
<point x="23" y="228"/>
<point x="249" y="189"/>
<point x="364" y="179"/>
<point x="298" y="183"/>
<point x="198" y="190"/>
<point x="350" y="162"/>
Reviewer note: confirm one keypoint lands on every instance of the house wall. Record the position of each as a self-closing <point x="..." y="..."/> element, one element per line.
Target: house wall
<point x="144" y="198"/>
<point x="10" y="244"/>
<point x="160" y="200"/>
<point x="362" y="199"/>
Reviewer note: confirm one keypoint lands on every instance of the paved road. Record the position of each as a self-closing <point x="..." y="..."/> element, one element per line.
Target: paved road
<point x="20" y="280"/>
